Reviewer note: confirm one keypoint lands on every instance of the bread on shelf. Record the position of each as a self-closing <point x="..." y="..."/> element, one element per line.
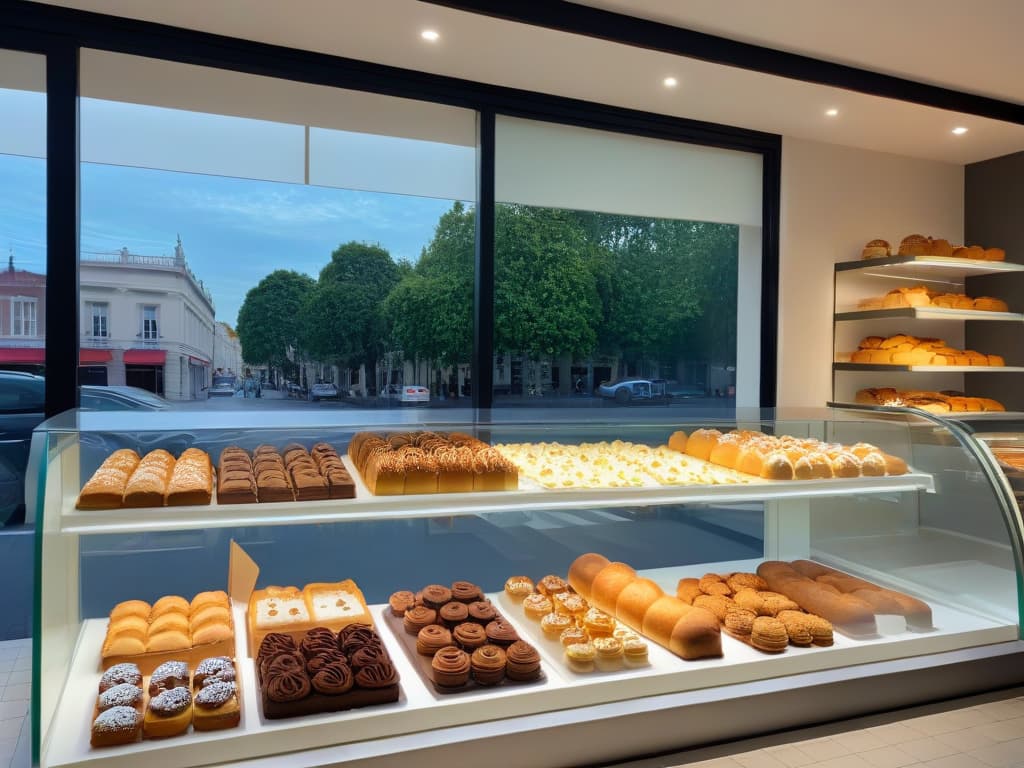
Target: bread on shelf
<point x="933" y="402"/>
<point x="105" y="489"/>
<point x="876" y="249"/>
<point x="903" y="349"/>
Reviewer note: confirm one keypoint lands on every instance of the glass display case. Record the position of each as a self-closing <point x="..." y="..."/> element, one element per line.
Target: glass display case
<point x="936" y="526"/>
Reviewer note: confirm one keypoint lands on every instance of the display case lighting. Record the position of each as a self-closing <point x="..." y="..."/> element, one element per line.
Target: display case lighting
<point x="670" y="82"/>
<point x="959" y="130"/>
<point x="430" y="35"/>
<point x="832" y="112"/>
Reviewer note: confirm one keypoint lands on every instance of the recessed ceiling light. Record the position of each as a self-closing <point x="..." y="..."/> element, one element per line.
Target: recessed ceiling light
<point x="832" y="112"/>
<point x="959" y="130"/>
<point x="670" y="82"/>
<point x="430" y="35"/>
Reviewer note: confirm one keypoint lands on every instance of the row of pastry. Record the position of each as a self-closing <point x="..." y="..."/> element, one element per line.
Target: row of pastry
<point x="904" y="349"/>
<point x="155" y="480"/>
<point x="291" y="474"/>
<point x="922" y="245"/>
<point x="429" y="462"/>
<point x="786" y="458"/>
<point x="926" y="400"/>
<point x="922" y="296"/>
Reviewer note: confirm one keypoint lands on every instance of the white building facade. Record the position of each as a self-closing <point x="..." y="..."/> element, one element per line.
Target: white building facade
<point x="147" y="321"/>
<point x="227" y="349"/>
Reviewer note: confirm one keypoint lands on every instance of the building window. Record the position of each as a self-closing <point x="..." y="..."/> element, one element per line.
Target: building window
<point x="100" y="320"/>
<point x="149" y="327"/>
<point x="23" y="317"/>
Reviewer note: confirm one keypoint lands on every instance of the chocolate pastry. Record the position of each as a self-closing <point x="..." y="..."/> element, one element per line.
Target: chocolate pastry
<point x="283" y="663"/>
<point x="482" y="612"/>
<point x="120" y="673"/>
<point x="453" y="613"/>
<point x="469" y="636"/>
<point x="466" y="592"/>
<point x="417" y="617"/>
<point x="215" y="695"/>
<point x="431" y="639"/>
<point x="214" y="669"/>
<point x="522" y="662"/>
<point x="450" y="667"/>
<point x="121" y="695"/>
<point x="117" y="725"/>
<point x="500" y="632"/>
<point x="287" y="681"/>
<point x="317" y="641"/>
<point x="377" y="676"/>
<point x="401" y="601"/>
<point x="435" y="595"/>
<point x="333" y="680"/>
<point x="367" y="656"/>
<point x="317" y="663"/>
<point x="170" y="702"/>
<point x="355" y="636"/>
<point x="169" y="675"/>
<point x="488" y="665"/>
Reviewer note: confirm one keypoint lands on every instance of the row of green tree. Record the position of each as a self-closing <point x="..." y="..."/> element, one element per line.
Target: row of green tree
<point x="573" y="283"/>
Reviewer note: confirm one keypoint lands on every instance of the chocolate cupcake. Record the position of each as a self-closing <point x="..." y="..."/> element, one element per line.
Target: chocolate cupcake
<point x="488" y="665"/>
<point x="453" y="613"/>
<point x="482" y="612"/>
<point x="466" y="592"/>
<point x="431" y="639"/>
<point x="418" y="617"/>
<point x="522" y="662"/>
<point x="450" y="668"/>
<point x="436" y="595"/>
<point x="401" y="601"/>
<point x="469" y="636"/>
<point x="500" y="632"/>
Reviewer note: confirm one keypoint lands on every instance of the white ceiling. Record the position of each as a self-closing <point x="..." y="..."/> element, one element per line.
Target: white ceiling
<point x="967" y="45"/>
<point x="503" y="53"/>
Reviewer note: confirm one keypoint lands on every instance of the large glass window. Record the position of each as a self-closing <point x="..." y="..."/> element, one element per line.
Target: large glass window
<point x="627" y="270"/>
<point x="298" y="245"/>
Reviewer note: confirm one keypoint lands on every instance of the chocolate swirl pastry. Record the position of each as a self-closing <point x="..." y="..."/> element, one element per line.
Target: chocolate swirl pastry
<point x="417" y="618"/>
<point x="469" y="636"/>
<point x="482" y="612"/>
<point x="522" y="661"/>
<point x="401" y="601"/>
<point x="377" y="676"/>
<point x="355" y="636"/>
<point x="466" y="592"/>
<point x="488" y="664"/>
<point x="283" y="664"/>
<point x="170" y="702"/>
<point x="286" y="684"/>
<point x="215" y="695"/>
<point x="333" y="680"/>
<point x="500" y="632"/>
<point x="317" y="641"/>
<point x="368" y="655"/>
<point x="213" y="669"/>
<point x="453" y="613"/>
<point x="317" y="663"/>
<point x="120" y="673"/>
<point x="169" y="675"/>
<point x="450" y="667"/>
<point x="121" y="695"/>
<point x="436" y="595"/>
<point x="431" y="639"/>
<point x="275" y="643"/>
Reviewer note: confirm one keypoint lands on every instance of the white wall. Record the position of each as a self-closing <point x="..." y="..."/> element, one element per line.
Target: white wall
<point x="835" y="199"/>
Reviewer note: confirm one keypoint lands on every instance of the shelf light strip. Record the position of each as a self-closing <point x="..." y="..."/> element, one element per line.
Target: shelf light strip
<point x="915" y="279"/>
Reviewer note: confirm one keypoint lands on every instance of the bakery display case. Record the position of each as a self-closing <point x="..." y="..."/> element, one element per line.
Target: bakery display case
<point x="902" y="324"/>
<point x="695" y="563"/>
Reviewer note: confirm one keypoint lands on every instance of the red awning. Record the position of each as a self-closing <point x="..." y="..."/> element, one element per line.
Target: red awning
<point x="94" y="356"/>
<point x="197" y="361"/>
<point x="145" y="356"/>
<point x="23" y="355"/>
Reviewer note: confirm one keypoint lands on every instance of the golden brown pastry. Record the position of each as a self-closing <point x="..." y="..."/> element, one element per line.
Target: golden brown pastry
<point x="990" y="304"/>
<point x="876" y="249"/>
<point x="105" y="489"/>
<point x="995" y="254"/>
<point x="939" y="248"/>
<point x="914" y="245"/>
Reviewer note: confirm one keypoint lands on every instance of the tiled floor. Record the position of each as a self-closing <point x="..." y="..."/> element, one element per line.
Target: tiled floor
<point x="984" y="731"/>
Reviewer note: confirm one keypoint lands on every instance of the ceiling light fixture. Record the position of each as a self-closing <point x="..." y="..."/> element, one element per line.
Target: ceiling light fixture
<point x="430" y="35"/>
<point x="959" y="131"/>
<point x="670" y="82"/>
<point x="833" y="112"/>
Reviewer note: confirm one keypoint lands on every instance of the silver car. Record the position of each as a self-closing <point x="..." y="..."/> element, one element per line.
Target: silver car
<point x="625" y="391"/>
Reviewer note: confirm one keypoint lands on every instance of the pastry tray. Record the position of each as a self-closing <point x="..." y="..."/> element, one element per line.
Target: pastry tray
<point x="421" y="663"/>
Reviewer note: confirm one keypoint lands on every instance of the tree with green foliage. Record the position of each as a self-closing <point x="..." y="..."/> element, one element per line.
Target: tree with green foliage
<point x="341" y="317"/>
<point x="268" y="322"/>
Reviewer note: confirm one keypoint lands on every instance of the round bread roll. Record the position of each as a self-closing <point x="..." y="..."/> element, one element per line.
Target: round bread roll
<point x="634" y="600"/>
<point x="940" y="248"/>
<point x="876" y="249"/>
<point x="661" y="618"/>
<point x="914" y="245"/>
<point x="583" y="571"/>
<point x="677" y="441"/>
<point x="608" y="583"/>
<point x="697" y="635"/>
<point x="990" y="304"/>
<point x="688" y="589"/>
<point x="701" y="442"/>
<point x="995" y="254"/>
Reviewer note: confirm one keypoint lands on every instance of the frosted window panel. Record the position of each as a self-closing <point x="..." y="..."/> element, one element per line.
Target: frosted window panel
<point x="391" y="164"/>
<point x="144" y="136"/>
<point x="558" y="166"/>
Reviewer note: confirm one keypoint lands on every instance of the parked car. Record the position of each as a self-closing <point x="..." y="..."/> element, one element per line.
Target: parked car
<point x="223" y="386"/>
<point x="321" y="390"/>
<point x="630" y="390"/>
<point x="414" y="393"/>
<point x="120" y="398"/>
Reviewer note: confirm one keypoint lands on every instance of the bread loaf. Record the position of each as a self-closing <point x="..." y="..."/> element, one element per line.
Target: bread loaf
<point x="634" y="600"/>
<point x="147" y="487"/>
<point x="105" y="489"/>
<point x="583" y="571"/>
<point x="990" y="304"/>
<point x="995" y="254"/>
<point x="851" y="614"/>
<point x="608" y="583"/>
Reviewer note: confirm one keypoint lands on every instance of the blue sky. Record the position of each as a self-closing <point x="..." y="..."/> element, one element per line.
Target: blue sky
<point x="234" y="231"/>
